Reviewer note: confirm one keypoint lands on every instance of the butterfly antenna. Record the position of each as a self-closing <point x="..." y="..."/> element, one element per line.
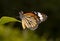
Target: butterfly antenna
<point x="21" y="14"/>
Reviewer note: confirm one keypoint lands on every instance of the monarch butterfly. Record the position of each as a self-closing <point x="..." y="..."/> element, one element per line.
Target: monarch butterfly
<point x="31" y="20"/>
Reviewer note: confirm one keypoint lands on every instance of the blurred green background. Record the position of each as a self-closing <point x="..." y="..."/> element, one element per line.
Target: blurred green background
<point x="47" y="31"/>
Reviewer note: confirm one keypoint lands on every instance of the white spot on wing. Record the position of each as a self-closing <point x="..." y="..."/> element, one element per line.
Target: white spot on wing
<point x="40" y="15"/>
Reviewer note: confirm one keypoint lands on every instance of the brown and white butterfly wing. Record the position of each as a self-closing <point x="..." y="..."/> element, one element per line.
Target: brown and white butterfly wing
<point x="25" y="23"/>
<point x="29" y="22"/>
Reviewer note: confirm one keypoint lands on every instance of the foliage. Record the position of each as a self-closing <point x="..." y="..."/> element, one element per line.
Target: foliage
<point x="7" y="33"/>
<point x="47" y="31"/>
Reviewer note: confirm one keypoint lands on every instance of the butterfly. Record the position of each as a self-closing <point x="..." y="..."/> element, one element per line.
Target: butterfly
<point x="31" y="20"/>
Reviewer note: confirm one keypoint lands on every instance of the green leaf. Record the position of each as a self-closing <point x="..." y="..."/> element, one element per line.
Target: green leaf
<point x="6" y="19"/>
